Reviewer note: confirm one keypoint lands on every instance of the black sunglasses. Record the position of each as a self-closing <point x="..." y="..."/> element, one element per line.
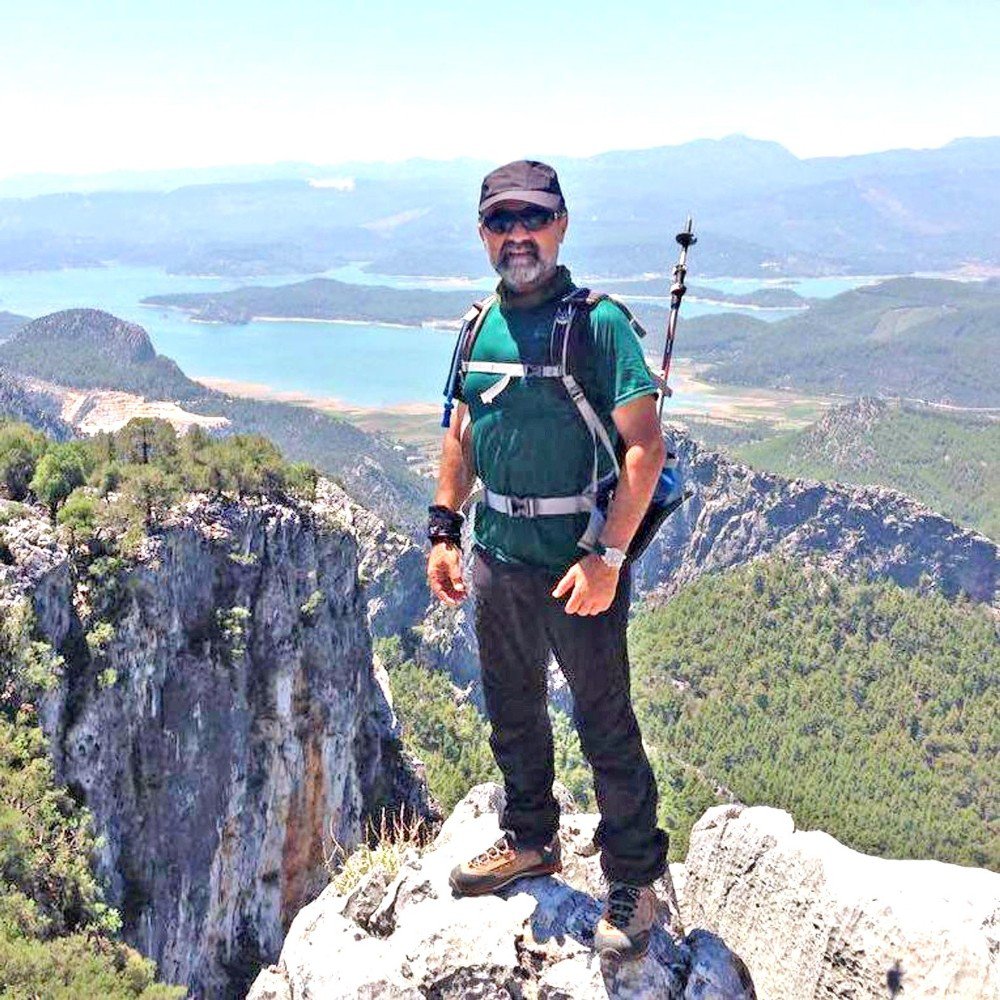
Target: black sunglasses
<point x="503" y="222"/>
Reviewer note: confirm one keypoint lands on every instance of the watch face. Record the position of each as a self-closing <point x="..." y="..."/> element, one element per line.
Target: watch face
<point x="613" y="557"/>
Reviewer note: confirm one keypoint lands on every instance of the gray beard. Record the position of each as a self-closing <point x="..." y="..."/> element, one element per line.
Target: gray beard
<point x="522" y="273"/>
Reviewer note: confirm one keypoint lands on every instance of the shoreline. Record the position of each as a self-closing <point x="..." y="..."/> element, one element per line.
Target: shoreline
<point x="298" y="397"/>
<point x="711" y="402"/>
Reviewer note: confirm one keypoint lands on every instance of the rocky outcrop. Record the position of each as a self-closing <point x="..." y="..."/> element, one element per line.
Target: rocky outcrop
<point x="226" y="734"/>
<point x="769" y="911"/>
<point x="737" y="514"/>
<point x="815" y="920"/>
<point x="410" y="939"/>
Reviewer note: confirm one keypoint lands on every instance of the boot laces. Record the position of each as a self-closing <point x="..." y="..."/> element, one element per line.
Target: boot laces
<point x="622" y="901"/>
<point x="493" y="852"/>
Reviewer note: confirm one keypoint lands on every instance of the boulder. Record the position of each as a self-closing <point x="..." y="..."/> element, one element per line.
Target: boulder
<point x="815" y="920"/>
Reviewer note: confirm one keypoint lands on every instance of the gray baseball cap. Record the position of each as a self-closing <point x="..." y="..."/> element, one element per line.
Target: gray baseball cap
<point x="523" y="180"/>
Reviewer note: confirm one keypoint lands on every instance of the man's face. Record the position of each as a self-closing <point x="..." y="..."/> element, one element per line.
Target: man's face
<point x="524" y="259"/>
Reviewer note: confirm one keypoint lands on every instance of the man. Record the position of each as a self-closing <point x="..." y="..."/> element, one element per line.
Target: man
<point x="536" y="589"/>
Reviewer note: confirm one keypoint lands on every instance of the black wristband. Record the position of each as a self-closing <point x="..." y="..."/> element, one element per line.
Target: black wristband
<point x="444" y="524"/>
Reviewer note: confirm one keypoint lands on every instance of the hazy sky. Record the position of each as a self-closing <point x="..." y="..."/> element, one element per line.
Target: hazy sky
<point x="94" y="85"/>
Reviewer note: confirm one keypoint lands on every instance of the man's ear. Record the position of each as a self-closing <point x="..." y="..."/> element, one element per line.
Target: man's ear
<point x="563" y="223"/>
<point x="482" y="233"/>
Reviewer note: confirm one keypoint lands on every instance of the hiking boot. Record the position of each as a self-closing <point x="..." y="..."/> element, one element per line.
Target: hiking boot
<point x="501" y="864"/>
<point x="628" y="916"/>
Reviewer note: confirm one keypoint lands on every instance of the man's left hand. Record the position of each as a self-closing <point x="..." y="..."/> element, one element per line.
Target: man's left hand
<point x="593" y="584"/>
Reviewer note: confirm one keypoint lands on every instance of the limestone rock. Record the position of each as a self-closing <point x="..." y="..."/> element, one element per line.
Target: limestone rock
<point x="815" y="920"/>
<point x="532" y="940"/>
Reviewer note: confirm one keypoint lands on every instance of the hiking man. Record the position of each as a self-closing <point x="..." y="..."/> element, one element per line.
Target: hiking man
<point x="537" y="591"/>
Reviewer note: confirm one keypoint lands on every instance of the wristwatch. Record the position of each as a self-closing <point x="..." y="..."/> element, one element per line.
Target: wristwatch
<point x="612" y="557"/>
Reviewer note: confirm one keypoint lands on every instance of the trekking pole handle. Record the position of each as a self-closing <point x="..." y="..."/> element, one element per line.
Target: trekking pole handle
<point x="686" y="239"/>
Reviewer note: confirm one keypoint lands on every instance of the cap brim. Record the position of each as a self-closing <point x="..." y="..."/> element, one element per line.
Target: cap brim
<point x="544" y="199"/>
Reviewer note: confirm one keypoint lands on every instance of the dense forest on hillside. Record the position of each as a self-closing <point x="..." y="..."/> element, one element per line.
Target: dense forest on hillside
<point x="949" y="461"/>
<point x="865" y="710"/>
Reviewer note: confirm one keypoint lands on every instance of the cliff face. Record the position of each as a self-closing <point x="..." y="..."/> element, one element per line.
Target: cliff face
<point x="738" y="514"/>
<point x="229" y="733"/>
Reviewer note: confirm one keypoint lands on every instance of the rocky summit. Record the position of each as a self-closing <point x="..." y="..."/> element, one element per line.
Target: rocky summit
<point x="762" y="910"/>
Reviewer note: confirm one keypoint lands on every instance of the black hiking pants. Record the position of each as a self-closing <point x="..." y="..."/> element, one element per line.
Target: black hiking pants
<point x="518" y="623"/>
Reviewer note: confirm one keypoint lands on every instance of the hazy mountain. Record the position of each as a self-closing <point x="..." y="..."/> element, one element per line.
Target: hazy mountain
<point x="758" y="208"/>
<point x="9" y="322"/>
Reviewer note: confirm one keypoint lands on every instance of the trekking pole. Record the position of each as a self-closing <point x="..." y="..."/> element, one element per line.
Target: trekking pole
<point x="677" y="289"/>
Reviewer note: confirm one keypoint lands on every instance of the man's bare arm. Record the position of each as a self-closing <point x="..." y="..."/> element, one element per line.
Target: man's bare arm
<point x="591" y="583"/>
<point x="457" y="471"/>
<point x="455" y="479"/>
<point x="645" y="453"/>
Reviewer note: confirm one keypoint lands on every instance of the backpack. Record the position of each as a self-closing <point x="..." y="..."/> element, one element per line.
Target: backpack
<point x="574" y="309"/>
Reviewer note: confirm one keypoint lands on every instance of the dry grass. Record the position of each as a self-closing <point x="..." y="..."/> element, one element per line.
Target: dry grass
<point x="385" y="844"/>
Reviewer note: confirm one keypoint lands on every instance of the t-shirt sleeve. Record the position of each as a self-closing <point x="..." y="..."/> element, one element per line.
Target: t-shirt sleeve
<point x="622" y="367"/>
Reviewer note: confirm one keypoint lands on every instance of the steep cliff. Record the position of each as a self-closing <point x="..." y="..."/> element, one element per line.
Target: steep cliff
<point x="219" y="715"/>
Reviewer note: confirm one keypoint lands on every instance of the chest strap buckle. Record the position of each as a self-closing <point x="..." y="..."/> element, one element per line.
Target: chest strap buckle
<point x="521" y="506"/>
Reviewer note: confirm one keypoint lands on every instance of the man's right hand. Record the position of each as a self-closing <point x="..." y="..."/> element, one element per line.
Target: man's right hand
<point x="444" y="573"/>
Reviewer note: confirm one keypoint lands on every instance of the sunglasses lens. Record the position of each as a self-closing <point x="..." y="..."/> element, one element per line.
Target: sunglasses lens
<point x="500" y="222"/>
<point x="533" y="219"/>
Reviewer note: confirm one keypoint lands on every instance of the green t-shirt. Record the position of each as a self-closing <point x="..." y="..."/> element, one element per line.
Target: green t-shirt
<point x="530" y="440"/>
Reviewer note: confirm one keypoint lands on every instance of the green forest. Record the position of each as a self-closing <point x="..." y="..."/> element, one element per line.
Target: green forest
<point x="865" y="710"/>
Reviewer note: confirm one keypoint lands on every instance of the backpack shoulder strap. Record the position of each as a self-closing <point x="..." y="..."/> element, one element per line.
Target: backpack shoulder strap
<point x="475" y="318"/>
<point x="472" y="322"/>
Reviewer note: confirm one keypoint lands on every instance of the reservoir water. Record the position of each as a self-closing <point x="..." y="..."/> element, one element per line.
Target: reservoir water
<point x="361" y="364"/>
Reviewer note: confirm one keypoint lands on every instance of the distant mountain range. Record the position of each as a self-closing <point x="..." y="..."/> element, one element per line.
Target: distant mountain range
<point x="759" y="210"/>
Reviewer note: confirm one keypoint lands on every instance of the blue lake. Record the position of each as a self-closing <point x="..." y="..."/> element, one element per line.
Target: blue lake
<point x="361" y="364"/>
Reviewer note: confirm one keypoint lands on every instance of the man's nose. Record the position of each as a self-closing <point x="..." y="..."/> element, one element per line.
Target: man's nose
<point x="519" y="225"/>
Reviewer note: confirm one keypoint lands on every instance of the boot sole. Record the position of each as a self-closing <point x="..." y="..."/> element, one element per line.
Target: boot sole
<point x="493" y="886"/>
<point x="613" y="959"/>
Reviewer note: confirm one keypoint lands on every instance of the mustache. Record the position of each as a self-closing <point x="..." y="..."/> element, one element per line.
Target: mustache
<point x="521" y="245"/>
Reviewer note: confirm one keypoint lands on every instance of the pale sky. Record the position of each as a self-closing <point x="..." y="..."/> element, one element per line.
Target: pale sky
<point x="96" y="85"/>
